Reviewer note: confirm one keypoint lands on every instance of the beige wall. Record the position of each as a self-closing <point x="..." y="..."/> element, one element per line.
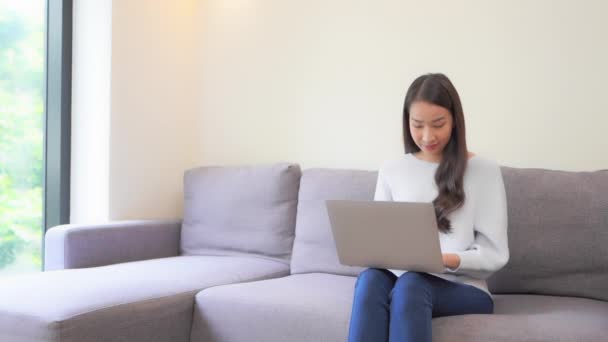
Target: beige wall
<point x="322" y="83"/>
<point x="135" y="107"/>
<point x="155" y="105"/>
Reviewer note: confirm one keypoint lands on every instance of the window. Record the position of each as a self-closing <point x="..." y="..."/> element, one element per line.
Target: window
<point x="35" y="64"/>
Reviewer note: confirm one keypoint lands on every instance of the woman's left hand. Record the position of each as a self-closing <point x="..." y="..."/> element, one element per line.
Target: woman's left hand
<point x="451" y="260"/>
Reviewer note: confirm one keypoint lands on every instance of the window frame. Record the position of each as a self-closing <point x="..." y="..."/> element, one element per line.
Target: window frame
<point x="57" y="115"/>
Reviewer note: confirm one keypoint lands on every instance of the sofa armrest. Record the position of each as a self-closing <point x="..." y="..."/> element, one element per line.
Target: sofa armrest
<point x="89" y="245"/>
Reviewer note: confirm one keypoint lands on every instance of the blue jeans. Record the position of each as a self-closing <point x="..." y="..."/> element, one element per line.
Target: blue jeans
<point x="387" y="308"/>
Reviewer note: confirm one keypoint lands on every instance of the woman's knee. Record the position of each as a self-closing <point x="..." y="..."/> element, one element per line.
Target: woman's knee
<point x="374" y="275"/>
<point x="375" y="279"/>
<point x="373" y="287"/>
<point x="411" y="293"/>
<point x="412" y="283"/>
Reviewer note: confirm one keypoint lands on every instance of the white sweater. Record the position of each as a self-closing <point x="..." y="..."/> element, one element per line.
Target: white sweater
<point x="479" y="227"/>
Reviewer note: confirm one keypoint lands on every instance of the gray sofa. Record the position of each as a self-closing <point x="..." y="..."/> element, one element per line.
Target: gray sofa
<point x="253" y="260"/>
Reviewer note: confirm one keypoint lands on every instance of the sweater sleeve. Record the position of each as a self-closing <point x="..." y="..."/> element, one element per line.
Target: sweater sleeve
<point x="489" y="251"/>
<point x="383" y="190"/>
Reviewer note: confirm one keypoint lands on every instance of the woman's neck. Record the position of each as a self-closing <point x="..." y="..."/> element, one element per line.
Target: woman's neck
<point x="436" y="158"/>
<point x="428" y="158"/>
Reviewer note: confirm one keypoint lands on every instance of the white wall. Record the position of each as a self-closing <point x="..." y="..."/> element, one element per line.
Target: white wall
<point x="91" y="67"/>
<point x="322" y="83"/>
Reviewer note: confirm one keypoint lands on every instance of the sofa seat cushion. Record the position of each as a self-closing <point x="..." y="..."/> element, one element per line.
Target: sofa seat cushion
<point x="300" y="307"/>
<point x="149" y="300"/>
<point x="316" y="307"/>
<point x="529" y="318"/>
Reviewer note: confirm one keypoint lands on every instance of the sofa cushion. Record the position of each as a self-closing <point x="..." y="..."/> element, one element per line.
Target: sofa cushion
<point x="558" y="233"/>
<point x="526" y="318"/>
<point x="314" y="248"/>
<point x="240" y="210"/>
<point x="316" y="307"/>
<point x="147" y="300"/>
<point x="301" y="307"/>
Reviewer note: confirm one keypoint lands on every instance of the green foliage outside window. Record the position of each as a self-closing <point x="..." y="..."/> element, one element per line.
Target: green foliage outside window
<point x="21" y="133"/>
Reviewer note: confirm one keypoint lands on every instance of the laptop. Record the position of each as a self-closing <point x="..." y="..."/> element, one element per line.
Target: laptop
<point x="386" y="234"/>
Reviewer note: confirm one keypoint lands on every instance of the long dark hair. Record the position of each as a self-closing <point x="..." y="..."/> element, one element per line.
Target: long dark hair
<point x="437" y="89"/>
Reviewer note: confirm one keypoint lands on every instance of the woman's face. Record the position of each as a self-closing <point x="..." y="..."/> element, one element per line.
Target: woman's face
<point x="431" y="128"/>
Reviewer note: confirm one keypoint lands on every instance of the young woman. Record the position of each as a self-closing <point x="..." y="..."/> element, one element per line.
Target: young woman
<point x="468" y="193"/>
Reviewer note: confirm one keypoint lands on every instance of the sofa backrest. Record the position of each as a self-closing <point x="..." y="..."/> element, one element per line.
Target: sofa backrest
<point x="240" y="210"/>
<point x="558" y="233"/>
<point x="314" y="249"/>
<point x="558" y="229"/>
